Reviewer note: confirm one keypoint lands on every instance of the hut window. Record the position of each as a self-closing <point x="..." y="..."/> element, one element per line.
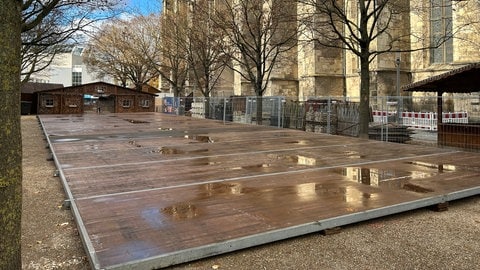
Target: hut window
<point x="127" y="103"/>
<point x="48" y="101"/>
<point x="145" y="103"/>
<point x="100" y="89"/>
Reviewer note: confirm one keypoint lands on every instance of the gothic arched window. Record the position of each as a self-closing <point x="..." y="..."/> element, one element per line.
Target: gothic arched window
<point x="441" y="34"/>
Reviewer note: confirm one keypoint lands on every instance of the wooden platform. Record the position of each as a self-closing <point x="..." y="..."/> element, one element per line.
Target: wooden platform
<point x="150" y="190"/>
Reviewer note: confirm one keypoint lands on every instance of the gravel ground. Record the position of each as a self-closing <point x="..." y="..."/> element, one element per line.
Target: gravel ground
<point x="420" y="239"/>
<point x="49" y="236"/>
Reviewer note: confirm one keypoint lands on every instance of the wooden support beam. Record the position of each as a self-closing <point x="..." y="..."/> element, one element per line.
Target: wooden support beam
<point x="439" y="207"/>
<point x="331" y="231"/>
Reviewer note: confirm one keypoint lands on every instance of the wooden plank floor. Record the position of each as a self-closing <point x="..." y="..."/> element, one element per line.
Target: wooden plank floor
<point x="150" y="190"/>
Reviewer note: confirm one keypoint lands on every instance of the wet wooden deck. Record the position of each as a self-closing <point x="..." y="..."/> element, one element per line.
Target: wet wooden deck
<point x="150" y="190"/>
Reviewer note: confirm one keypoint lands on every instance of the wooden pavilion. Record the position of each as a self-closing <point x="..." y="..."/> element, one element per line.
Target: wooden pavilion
<point x="91" y="97"/>
<point x="461" y="80"/>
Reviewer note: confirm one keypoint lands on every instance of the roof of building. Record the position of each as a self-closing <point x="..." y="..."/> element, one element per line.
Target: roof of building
<point x="460" y="80"/>
<point x="32" y="87"/>
<point x="101" y="83"/>
<point x="150" y="89"/>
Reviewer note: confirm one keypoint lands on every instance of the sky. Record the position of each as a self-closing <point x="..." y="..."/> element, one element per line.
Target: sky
<point x="144" y="6"/>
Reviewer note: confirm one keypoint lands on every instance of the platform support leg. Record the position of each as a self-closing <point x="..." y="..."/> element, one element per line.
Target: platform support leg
<point x="439" y="207"/>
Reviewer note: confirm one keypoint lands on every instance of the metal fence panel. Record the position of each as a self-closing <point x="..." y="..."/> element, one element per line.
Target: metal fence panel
<point x="394" y="119"/>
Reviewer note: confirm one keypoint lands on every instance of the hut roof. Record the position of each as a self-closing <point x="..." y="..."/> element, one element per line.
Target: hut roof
<point x="460" y="80"/>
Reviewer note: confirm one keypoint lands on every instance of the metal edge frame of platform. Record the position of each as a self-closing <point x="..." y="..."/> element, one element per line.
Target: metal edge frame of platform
<point x="87" y="243"/>
<point x="205" y="251"/>
<point x="294" y="231"/>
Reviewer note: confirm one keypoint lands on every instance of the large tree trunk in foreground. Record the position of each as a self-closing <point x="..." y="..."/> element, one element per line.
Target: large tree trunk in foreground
<point x="10" y="135"/>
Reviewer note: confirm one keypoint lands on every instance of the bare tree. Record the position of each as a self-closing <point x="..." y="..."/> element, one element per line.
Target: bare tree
<point x="257" y="33"/>
<point x="173" y="61"/>
<point x="206" y="59"/>
<point x="205" y="42"/>
<point x="331" y="24"/>
<point x="104" y="54"/>
<point x="122" y="49"/>
<point x="371" y="28"/>
<point x="16" y="17"/>
<point x="66" y="24"/>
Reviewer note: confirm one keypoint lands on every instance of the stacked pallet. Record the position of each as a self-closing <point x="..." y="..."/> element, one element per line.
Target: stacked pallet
<point x="389" y="132"/>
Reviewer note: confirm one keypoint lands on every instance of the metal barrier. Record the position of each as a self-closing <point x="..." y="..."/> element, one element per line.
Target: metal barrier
<point x="416" y="120"/>
<point x="421" y="120"/>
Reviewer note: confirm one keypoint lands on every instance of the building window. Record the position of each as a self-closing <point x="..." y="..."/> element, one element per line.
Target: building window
<point x="76" y="78"/>
<point x="145" y="103"/>
<point x="127" y="103"/>
<point x="441" y="32"/>
<point x="48" y="102"/>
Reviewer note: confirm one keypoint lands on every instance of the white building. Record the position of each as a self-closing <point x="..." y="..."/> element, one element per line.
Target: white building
<point x="68" y="69"/>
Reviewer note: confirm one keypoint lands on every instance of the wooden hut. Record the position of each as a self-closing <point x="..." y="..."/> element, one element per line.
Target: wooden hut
<point x="99" y="97"/>
<point x="461" y="80"/>
<point x="29" y="95"/>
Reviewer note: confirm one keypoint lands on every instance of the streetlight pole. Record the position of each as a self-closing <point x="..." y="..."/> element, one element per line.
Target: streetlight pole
<point x="399" y="99"/>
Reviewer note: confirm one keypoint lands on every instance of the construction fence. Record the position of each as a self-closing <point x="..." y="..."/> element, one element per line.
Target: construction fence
<point x="395" y="119"/>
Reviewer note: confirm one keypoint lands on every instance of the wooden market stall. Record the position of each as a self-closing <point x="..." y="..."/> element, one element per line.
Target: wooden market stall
<point x="100" y="97"/>
<point x="461" y="80"/>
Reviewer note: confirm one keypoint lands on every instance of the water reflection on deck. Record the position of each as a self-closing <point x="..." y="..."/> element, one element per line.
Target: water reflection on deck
<point x="150" y="190"/>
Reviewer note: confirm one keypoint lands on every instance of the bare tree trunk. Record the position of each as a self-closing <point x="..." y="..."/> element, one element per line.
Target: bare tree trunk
<point x="364" y="117"/>
<point x="10" y="135"/>
<point x="207" y="107"/>
<point x="176" y="91"/>
<point x="259" y="110"/>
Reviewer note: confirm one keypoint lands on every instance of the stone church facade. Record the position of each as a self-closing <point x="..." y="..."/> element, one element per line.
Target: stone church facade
<point x="316" y="71"/>
<point x="332" y="72"/>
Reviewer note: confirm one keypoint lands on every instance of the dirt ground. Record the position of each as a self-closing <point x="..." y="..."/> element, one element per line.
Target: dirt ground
<point x="420" y="239"/>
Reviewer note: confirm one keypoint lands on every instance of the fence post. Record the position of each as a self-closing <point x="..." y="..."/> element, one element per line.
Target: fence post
<point x="248" y="110"/>
<point x="386" y="125"/>
<point x="224" y="109"/>
<point x="279" y="112"/>
<point x="329" y="108"/>
<point x="400" y="110"/>
<point x="381" y="122"/>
